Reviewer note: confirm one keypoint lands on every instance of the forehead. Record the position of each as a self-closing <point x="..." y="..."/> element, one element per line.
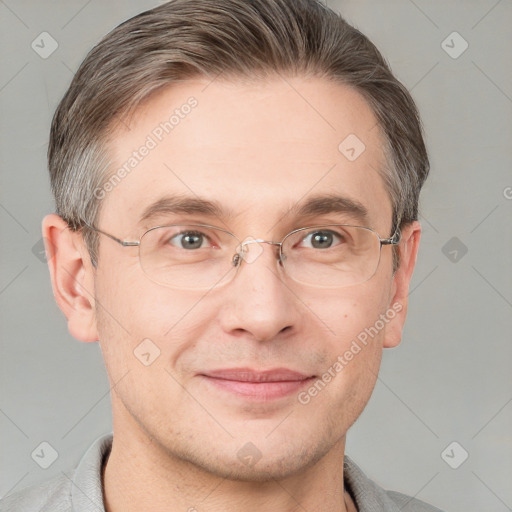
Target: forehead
<point x="258" y="150"/>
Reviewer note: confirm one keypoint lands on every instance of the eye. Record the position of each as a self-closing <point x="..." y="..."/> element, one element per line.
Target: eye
<point x="189" y="240"/>
<point x="322" y="239"/>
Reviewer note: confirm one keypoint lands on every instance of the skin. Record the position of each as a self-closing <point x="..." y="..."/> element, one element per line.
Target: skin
<point x="258" y="148"/>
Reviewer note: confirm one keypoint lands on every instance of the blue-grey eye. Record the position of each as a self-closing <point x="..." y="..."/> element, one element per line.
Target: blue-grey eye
<point x="321" y="239"/>
<point x="189" y="240"/>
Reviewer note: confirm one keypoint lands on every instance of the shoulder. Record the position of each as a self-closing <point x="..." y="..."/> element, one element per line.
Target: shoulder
<point x="369" y="496"/>
<point x="79" y="489"/>
<point x="52" y="495"/>
<point x="408" y="504"/>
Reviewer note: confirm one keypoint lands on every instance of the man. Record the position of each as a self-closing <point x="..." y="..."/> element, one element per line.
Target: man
<point x="237" y="192"/>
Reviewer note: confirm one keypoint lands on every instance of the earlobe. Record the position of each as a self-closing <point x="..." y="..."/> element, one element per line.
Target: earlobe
<point x="72" y="276"/>
<point x="408" y="248"/>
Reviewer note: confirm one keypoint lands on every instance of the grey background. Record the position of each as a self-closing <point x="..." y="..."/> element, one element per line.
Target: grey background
<point x="449" y="380"/>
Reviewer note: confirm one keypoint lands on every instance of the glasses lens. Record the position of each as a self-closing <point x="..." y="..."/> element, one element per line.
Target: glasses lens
<point x="201" y="256"/>
<point x="331" y="256"/>
<point x="188" y="256"/>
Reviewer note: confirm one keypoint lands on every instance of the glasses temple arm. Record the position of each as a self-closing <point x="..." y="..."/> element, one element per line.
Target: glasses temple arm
<point x="394" y="240"/>
<point x="112" y="237"/>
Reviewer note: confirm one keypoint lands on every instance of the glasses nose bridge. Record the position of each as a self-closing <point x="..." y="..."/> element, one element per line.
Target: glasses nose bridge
<point x="259" y="241"/>
<point x="241" y="248"/>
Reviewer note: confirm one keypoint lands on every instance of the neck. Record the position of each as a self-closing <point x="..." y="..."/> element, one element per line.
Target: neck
<point x="139" y="476"/>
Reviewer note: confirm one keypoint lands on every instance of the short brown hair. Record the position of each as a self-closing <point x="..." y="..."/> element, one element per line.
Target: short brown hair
<point x="184" y="39"/>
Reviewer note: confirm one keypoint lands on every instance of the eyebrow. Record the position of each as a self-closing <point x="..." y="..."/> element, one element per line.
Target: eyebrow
<point x="184" y="205"/>
<point x="327" y="204"/>
<point x="316" y="205"/>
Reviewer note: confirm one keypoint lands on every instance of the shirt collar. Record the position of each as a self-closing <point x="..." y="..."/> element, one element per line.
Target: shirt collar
<point x="87" y="488"/>
<point x="368" y="496"/>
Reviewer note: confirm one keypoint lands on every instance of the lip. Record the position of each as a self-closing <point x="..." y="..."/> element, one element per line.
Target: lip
<point x="250" y="375"/>
<point x="257" y="385"/>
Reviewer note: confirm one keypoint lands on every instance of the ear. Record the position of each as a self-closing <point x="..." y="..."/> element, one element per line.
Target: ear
<point x="408" y="250"/>
<point x="72" y="276"/>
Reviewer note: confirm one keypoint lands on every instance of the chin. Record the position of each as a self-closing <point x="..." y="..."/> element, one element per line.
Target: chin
<point x="244" y="461"/>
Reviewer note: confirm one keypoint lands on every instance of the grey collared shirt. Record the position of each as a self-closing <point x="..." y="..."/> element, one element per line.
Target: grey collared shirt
<point x="82" y="490"/>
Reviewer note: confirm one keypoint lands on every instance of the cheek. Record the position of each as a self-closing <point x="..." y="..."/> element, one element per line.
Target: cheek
<point x="350" y="312"/>
<point x="136" y="317"/>
<point x="354" y="340"/>
<point x="353" y="350"/>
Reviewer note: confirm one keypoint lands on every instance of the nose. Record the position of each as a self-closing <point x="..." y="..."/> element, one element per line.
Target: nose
<point x="259" y="302"/>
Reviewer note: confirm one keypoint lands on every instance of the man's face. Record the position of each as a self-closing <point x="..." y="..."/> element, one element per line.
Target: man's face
<point x="257" y="150"/>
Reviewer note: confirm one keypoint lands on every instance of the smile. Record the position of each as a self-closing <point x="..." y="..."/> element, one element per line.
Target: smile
<point x="257" y="385"/>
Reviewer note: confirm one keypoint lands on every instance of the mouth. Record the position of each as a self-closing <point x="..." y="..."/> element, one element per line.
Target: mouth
<point x="257" y="385"/>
